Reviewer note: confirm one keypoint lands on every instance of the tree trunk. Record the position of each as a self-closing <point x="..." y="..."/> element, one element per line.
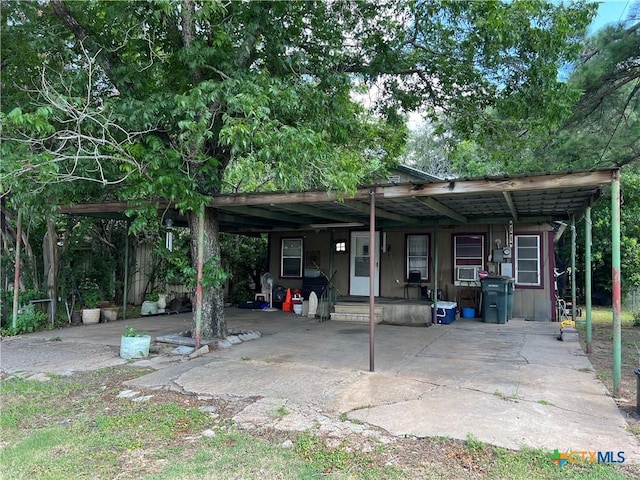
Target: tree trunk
<point x="214" y="323"/>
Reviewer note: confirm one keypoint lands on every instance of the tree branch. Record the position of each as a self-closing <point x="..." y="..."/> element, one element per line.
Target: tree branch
<point x="83" y="37"/>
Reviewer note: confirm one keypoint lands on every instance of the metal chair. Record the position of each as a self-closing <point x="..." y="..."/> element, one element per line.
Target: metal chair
<point x="414" y="281"/>
<point x="564" y="310"/>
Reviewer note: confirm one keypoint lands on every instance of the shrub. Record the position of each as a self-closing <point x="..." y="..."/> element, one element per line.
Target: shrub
<point x="636" y="318"/>
<point x="29" y="320"/>
<point x="91" y="298"/>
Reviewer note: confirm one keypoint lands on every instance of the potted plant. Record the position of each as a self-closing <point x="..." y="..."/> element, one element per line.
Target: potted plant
<point x="134" y="344"/>
<point x="91" y="311"/>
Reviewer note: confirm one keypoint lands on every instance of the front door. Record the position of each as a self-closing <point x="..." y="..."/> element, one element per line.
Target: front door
<point x="359" y="264"/>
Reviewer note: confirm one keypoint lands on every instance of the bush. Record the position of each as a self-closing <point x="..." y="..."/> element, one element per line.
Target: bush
<point x="636" y="318"/>
<point x="29" y="320"/>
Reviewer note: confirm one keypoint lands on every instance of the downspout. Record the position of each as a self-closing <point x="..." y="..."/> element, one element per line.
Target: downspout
<point x="16" y="274"/>
<point x="372" y="261"/>
<point x="573" y="267"/>
<point x="615" y="278"/>
<point x="587" y="274"/>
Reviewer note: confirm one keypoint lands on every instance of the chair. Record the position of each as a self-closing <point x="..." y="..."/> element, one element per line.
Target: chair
<point x="414" y="281"/>
<point x="564" y="310"/>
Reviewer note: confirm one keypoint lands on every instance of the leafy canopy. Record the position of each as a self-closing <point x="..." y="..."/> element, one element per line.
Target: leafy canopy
<point x="182" y="100"/>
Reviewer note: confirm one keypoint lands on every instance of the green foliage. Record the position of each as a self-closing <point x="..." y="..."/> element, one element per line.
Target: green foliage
<point x="313" y="449"/>
<point x="636" y="318"/>
<point x="629" y="231"/>
<point x="132" y="332"/>
<point x="152" y="297"/>
<point x="249" y="104"/>
<point x="139" y="101"/>
<point x="90" y="293"/>
<point x="472" y="444"/>
<point x="603" y="130"/>
<point x="29" y="320"/>
<point x="245" y="258"/>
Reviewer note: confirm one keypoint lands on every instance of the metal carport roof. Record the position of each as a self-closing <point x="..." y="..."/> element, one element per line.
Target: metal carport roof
<point x="520" y="198"/>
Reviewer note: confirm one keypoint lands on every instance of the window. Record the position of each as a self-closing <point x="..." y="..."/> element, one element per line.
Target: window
<point x="418" y="255"/>
<point x="527" y="259"/>
<point x="291" y="257"/>
<point x="468" y="256"/>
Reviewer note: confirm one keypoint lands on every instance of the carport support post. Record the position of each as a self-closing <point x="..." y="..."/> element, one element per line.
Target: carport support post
<point x="126" y="273"/>
<point x="372" y="269"/>
<point x="434" y="311"/>
<point x="615" y="277"/>
<point x="331" y="290"/>
<point x="587" y="274"/>
<point x="16" y="272"/>
<point x="573" y="268"/>
<point x="199" y="267"/>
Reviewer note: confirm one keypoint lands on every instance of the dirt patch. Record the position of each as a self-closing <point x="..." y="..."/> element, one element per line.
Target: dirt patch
<point x="601" y="358"/>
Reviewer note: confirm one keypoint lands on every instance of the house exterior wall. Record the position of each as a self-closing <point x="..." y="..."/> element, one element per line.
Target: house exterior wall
<point x="530" y="302"/>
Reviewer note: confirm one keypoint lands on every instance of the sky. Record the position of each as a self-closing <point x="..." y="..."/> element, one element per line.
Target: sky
<point x="610" y="11"/>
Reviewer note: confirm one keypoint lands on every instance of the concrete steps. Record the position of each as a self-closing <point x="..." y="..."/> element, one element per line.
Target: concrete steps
<point x="396" y="313"/>
<point x="356" y="312"/>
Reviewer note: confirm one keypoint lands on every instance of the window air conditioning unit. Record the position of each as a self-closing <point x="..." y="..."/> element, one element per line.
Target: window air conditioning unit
<point x="467" y="274"/>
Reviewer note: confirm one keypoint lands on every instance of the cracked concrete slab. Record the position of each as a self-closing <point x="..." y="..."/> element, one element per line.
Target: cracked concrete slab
<point x="506" y="422"/>
<point x="509" y="385"/>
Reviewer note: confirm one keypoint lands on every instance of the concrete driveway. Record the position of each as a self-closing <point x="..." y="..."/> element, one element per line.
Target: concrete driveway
<point x="508" y="385"/>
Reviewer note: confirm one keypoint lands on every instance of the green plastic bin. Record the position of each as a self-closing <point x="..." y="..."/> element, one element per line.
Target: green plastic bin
<point x="511" y="287"/>
<point x="494" y="299"/>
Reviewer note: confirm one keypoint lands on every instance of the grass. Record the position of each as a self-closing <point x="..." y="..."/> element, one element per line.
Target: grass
<point x="281" y="411"/>
<point x="503" y="396"/>
<point x="602" y="347"/>
<point x="77" y="427"/>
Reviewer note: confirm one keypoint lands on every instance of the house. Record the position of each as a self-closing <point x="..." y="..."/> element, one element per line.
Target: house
<point x="451" y="231"/>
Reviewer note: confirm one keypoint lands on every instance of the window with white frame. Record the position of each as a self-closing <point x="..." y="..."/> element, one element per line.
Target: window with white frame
<point x="468" y="256"/>
<point x="527" y="260"/>
<point x="418" y="255"/>
<point x="291" y="257"/>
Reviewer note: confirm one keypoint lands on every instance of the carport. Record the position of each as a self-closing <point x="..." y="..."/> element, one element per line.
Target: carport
<point x="566" y="197"/>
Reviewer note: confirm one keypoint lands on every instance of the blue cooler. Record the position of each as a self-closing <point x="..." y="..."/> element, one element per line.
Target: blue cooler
<point x="446" y="312"/>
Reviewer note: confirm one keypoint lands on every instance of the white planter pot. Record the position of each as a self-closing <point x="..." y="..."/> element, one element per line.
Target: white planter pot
<point x="149" y="308"/>
<point x="109" y="314"/>
<point x="135" y="347"/>
<point x="90" y="316"/>
<point x="162" y="302"/>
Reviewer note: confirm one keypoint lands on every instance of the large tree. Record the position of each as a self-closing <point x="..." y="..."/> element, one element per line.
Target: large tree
<point x="183" y="100"/>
